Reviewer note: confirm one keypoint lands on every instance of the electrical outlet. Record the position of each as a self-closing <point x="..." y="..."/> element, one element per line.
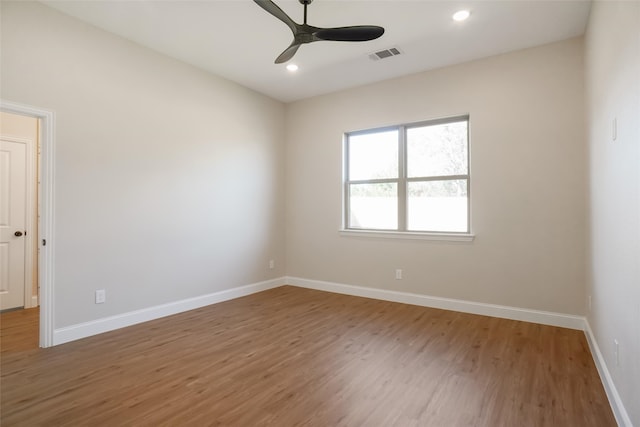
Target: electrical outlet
<point x="101" y="296"/>
<point x="398" y="274"/>
<point x="616" y="352"/>
<point x="272" y="264"/>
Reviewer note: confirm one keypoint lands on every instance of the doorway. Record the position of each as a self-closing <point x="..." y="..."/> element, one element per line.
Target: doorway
<point x="34" y="236"/>
<point x="18" y="211"/>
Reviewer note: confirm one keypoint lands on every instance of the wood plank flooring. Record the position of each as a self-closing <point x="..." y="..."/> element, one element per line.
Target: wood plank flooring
<point x="298" y="357"/>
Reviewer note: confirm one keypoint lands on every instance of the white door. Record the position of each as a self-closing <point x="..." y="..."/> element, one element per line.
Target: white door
<point x="13" y="186"/>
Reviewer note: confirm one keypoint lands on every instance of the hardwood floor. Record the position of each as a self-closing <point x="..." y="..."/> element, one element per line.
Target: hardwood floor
<point x="19" y="330"/>
<point x="298" y="357"/>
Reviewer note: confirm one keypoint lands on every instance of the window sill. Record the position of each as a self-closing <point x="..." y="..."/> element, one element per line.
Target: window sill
<point x="412" y="235"/>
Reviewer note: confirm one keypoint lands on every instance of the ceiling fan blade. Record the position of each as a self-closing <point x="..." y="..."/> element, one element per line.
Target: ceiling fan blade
<point x="357" y="33"/>
<point x="288" y="53"/>
<point x="304" y="33"/>
<point x="273" y="9"/>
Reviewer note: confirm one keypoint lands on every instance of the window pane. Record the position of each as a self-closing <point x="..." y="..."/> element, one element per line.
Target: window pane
<point x="373" y="155"/>
<point x="437" y="150"/>
<point x="373" y="206"/>
<point x="437" y="205"/>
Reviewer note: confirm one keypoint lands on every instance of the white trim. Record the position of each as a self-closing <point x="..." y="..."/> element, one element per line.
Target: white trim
<point x="46" y="209"/>
<point x="94" y="327"/>
<point x="32" y="150"/>
<point x="619" y="411"/>
<point x="413" y="235"/>
<point x="505" y="312"/>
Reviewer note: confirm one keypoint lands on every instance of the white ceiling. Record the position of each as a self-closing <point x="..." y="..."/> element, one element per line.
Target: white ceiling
<point x="238" y="40"/>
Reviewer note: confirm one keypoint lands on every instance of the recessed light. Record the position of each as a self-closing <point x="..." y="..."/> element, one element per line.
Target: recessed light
<point x="461" y="15"/>
<point x="292" y="67"/>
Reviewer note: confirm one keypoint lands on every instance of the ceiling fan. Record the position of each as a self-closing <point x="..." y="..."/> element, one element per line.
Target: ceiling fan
<point x="303" y="33"/>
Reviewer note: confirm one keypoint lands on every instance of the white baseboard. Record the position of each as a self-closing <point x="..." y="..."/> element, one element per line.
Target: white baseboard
<point x="87" y="329"/>
<point x="94" y="327"/>
<point x="619" y="411"/>
<point x="31" y="302"/>
<point x="505" y="312"/>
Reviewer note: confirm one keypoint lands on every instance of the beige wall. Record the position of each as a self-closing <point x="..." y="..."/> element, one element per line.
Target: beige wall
<point x="169" y="181"/>
<point x="613" y="88"/>
<point x="527" y="182"/>
<point x="27" y="128"/>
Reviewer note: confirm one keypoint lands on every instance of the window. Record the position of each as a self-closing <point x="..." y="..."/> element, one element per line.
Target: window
<point x="408" y="178"/>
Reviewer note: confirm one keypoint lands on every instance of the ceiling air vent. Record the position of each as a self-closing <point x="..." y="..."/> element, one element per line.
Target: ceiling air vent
<point x="387" y="53"/>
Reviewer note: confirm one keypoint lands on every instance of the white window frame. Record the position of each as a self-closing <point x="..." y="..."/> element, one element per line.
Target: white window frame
<point x="401" y="181"/>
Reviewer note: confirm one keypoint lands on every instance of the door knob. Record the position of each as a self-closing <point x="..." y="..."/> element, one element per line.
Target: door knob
<point x="18" y="233"/>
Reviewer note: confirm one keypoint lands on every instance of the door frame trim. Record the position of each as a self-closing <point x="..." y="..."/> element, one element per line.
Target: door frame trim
<point x="46" y="202"/>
